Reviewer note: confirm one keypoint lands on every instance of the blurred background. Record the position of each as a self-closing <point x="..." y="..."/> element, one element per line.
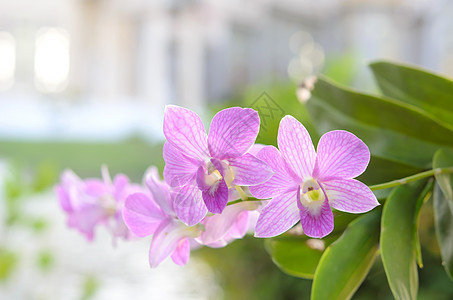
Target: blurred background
<point x="85" y="82"/>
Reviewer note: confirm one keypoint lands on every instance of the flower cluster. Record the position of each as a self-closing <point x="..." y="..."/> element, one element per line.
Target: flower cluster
<point x="204" y="173"/>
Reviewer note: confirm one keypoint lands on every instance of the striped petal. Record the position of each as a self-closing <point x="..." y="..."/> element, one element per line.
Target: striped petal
<point x="296" y="146"/>
<point x="278" y="216"/>
<point x="341" y="155"/>
<point x="350" y="195"/>
<point x="232" y="132"/>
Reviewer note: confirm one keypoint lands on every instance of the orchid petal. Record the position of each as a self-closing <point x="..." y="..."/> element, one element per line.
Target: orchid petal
<point x="255" y="149"/>
<point x="86" y="219"/>
<point x="350" y="195"/>
<point x="341" y="155"/>
<point x="216" y="201"/>
<point x="141" y="214"/>
<point x="249" y="170"/>
<point x="63" y="197"/>
<point x="166" y="240"/>
<point x="296" y="146"/>
<point x="185" y="131"/>
<point x="218" y="226"/>
<point x="317" y="224"/>
<point x="160" y="191"/>
<point x="232" y="132"/>
<point x="283" y="179"/>
<point x="182" y="252"/>
<point x="189" y="205"/>
<point x="278" y="216"/>
<point x="179" y="169"/>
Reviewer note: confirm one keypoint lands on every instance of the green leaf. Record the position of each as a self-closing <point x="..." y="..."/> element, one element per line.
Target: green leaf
<point x="430" y="92"/>
<point x="298" y="255"/>
<point x="443" y="216"/>
<point x="399" y="218"/>
<point x="295" y="256"/>
<point x="346" y="262"/>
<point x="393" y="130"/>
<point x="444" y="158"/>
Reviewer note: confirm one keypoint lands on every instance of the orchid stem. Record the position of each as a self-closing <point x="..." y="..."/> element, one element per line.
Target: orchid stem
<point x="411" y="178"/>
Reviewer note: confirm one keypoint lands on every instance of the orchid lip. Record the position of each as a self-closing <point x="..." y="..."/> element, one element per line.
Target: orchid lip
<point x="311" y="193"/>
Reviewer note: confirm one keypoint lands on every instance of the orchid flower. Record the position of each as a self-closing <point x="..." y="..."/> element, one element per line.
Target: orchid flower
<point x="212" y="162"/>
<point x="91" y="202"/>
<point x="154" y="214"/>
<point x="307" y="184"/>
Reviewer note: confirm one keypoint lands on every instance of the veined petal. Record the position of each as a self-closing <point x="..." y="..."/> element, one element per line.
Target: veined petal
<point x="282" y="181"/>
<point x="179" y="169"/>
<point x="141" y="215"/>
<point x="182" y="252"/>
<point x="216" y="201"/>
<point x="296" y="146"/>
<point x="341" y="155"/>
<point x="232" y="132"/>
<point x="317" y="224"/>
<point x="166" y="239"/>
<point x="249" y="170"/>
<point x="278" y="216"/>
<point x="350" y="195"/>
<point x="160" y="191"/>
<point x="255" y="149"/>
<point x="184" y="130"/>
<point x="189" y="205"/>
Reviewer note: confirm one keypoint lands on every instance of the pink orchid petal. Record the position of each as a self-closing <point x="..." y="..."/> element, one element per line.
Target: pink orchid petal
<point x="341" y="155"/>
<point x="179" y="169"/>
<point x="96" y="188"/>
<point x="249" y="170"/>
<point x="255" y="149"/>
<point x="239" y="228"/>
<point x="120" y="186"/>
<point x="189" y="205"/>
<point x="319" y="224"/>
<point x="86" y="219"/>
<point x="217" y="200"/>
<point x="63" y="198"/>
<point x="160" y="191"/>
<point x="218" y="226"/>
<point x="350" y="195"/>
<point x="166" y="239"/>
<point x="182" y="252"/>
<point x="232" y="132"/>
<point x="141" y="214"/>
<point x="283" y="179"/>
<point x="278" y="216"/>
<point x="296" y="146"/>
<point x="184" y="130"/>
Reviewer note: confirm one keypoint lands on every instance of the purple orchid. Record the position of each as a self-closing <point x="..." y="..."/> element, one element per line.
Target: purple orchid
<point x="307" y="184"/>
<point x="91" y="202"/>
<point x="213" y="162"/>
<point x="154" y="214"/>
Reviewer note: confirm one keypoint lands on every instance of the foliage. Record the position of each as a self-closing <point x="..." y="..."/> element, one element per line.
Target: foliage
<point x="408" y="129"/>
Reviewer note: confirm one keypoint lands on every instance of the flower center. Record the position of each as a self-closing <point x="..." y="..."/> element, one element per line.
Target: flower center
<point x="311" y="193"/>
<point x="108" y="203"/>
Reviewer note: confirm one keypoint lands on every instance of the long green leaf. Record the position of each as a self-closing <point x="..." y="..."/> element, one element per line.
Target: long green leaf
<point x="430" y="92"/>
<point x="399" y="218"/>
<point x="443" y="215"/>
<point x="345" y="263"/>
<point x="443" y="208"/>
<point x="393" y="130"/>
<point x="444" y="158"/>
